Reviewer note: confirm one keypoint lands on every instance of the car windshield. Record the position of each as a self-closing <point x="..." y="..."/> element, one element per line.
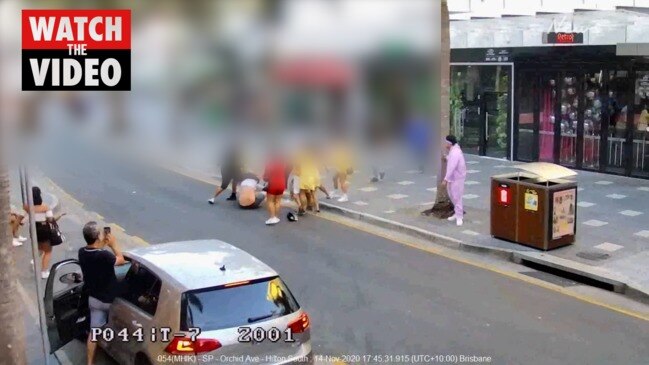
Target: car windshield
<point x="227" y="307"/>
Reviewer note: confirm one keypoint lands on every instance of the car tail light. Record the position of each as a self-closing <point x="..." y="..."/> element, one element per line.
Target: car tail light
<point x="185" y="345"/>
<point x="301" y="324"/>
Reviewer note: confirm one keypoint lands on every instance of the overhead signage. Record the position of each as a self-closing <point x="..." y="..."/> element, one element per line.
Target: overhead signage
<point x="563" y="38"/>
<point x="497" y="55"/>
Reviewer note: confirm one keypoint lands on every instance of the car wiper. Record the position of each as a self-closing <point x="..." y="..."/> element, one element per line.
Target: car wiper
<point x="257" y="319"/>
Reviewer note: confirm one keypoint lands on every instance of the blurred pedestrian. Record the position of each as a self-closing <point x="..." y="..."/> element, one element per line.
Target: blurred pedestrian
<point x="342" y="169"/>
<point x="321" y="167"/>
<point x="293" y="186"/>
<point x="308" y="180"/>
<point x="275" y="177"/>
<point x="231" y="171"/>
<point x="42" y="213"/>
<point x="417" y="134"/>
<point x="15" y="221"/>
<point x="455" y="177"/>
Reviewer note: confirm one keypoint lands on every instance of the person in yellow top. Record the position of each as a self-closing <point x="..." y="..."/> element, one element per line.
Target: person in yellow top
<point x="342" y="164"/>
<point x="309" y="177"/>
<point x="293" y="186"/>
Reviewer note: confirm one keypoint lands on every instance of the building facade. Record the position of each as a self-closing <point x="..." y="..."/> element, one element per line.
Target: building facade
<point x="566" y="101"/>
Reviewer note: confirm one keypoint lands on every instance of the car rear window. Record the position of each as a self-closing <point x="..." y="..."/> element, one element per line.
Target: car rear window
<point x="234" y="306"/>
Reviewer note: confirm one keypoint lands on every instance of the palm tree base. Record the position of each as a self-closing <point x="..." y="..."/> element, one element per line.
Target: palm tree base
<point x="441" y="210"/>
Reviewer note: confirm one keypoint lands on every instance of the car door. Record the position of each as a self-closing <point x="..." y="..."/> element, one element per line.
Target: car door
<point x="66" y="306"/>
<point x="133" y="313"/>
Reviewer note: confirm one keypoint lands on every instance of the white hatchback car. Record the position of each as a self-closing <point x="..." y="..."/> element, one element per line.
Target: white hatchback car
<point x="193" y="302"/>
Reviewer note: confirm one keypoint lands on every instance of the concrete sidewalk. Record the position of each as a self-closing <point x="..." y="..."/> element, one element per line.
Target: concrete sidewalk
<point x="612" y="243"/>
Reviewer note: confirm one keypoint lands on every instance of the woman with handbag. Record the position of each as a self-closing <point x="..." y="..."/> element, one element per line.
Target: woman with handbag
<point x="47" y="231"/>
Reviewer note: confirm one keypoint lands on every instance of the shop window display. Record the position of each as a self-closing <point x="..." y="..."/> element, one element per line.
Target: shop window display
<point x="547" y="120"/>
<point x="616" y="105"/>
<point x="525" y="143"/>
<point x="569" y="121"/>
<point x="640" y="159"/>
<point x="592" y="119"/>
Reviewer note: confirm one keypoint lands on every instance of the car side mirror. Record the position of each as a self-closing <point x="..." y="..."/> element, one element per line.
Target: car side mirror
<point x="71" y="278"/>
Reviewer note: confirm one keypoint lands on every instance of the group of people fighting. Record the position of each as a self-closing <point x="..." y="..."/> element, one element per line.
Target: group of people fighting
<point x="300" y="176"/>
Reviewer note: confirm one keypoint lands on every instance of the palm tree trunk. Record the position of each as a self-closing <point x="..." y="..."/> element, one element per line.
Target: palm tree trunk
<point x="443" y="208"/>
<point x="12" y="331"/>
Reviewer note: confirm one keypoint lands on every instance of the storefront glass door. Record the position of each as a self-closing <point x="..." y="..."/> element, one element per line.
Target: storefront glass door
<point x="495" y="123"/>
<point x="547" y="101"/>
<point x="480" y="108"/>
<point x="616" y="104"/>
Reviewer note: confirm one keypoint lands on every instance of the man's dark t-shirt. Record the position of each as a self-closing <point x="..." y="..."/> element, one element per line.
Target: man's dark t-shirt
<point x="98" y="268"/>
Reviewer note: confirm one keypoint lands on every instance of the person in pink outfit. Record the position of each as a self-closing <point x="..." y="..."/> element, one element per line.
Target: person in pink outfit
<point x="455" y="177"/>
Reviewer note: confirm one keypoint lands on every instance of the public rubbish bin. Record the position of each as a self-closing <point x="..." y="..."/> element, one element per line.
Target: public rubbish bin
<point x="536" y="208"/>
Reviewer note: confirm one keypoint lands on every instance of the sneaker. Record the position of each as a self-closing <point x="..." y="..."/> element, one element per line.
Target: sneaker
<point x="16" y="242"/>
<point x="301" y="212"/>
<point x="232" y="197"/>
<point x="271" y="221"/>
<point x="374" y="179"/>
<point x="452" y="218"/>
<point x="335" y="194"/>
<point x="211" y="201"/>
<point x="22" y="239"/>
<point x="45" y="274"/>
<point x="343" y="199"/>
<point x="459" y="222"/>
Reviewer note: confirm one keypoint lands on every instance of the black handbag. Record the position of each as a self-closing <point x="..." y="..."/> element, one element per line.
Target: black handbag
<point x="56" y="237"/>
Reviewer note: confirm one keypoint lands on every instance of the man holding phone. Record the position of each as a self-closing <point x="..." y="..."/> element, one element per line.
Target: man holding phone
<point x="98" y="268"/>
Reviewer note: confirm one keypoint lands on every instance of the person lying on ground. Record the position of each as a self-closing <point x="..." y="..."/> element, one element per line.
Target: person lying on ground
<point x="249" y="195"/>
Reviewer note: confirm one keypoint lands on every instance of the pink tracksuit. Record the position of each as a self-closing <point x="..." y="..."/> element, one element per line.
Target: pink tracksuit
<point x="455" y="176"/>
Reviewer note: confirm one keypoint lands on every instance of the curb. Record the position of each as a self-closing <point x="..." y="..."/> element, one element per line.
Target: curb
<point x="620" y="285"/>
<point x="418" y="232"/>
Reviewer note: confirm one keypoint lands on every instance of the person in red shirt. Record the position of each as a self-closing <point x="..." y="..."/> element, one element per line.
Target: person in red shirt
<point x="275" y="176"/>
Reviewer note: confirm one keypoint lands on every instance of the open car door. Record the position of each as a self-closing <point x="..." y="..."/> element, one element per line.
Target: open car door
<point x="66" y="305"/>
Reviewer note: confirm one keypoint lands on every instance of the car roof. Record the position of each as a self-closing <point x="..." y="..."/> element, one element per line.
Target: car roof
<point x="197" y="264"/>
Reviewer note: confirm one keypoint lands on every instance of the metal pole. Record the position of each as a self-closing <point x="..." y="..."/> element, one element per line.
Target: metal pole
<point x="37" y="266"/>
<point x="22" y="186"/>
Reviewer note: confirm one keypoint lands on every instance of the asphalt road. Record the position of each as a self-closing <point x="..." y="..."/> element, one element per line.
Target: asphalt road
<point x="365" y="294"/>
